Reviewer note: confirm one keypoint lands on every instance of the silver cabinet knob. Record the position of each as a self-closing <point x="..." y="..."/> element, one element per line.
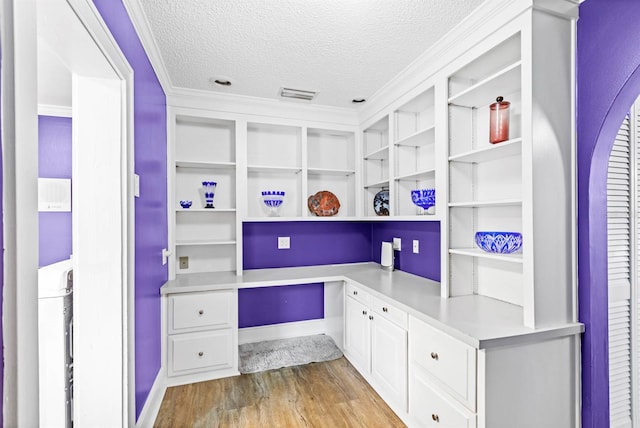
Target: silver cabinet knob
<point x="434" y="355"/>
<point x="355" y="293"/>
<point x="370" y="317"/>
<point x="200" y="312"/>
<point x="435" y="417"/>
<point x="200" y="354"/>
<point x="385" y="309"/>
<point x="364" y="312"/>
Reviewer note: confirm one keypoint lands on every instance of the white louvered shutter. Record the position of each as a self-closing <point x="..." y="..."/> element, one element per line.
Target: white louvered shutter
<point x="621" y="203"/>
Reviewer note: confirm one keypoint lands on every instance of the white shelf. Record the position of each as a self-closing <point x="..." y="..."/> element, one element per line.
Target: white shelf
<point x="205" y="165"/>
<point x="329" y="171"/>
<point x="274" y="169"/>
<point x="504" y="81"/>
<point x="377" y="184"/>
<point x="475" y="252"/>
<point x="206" y="210"/>
<point x="496" y="151"/>
<point x="481" y="204"/>
<point x="379" y="154"/>
<point x="418" y="139"/>
<point x="203" y="242"/>
<point x="417" y="175"/>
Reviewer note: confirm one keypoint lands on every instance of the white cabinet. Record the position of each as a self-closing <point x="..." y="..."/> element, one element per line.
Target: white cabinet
<point x="376" y="343"/>
<point x="201" y="335"/>
<point x="442" y="377"/>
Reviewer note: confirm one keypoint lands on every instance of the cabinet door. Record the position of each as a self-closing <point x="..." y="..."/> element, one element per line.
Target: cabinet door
<point x="357" y="339"/>
<point x="389" y="359"/>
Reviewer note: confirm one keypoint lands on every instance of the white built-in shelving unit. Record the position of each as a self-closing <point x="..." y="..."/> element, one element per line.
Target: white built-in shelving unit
<point x="485" y="180"/>
<point x="204" y="150"/>
<point x="245" y="158"/>
<point x="376" y="162"/>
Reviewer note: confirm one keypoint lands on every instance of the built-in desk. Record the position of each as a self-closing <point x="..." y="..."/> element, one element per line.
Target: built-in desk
<point x="464" y="361"/>
<point x="478" y="321"/>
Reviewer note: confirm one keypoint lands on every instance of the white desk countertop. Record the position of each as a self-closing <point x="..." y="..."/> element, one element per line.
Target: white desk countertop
<point x="479" y="321"/>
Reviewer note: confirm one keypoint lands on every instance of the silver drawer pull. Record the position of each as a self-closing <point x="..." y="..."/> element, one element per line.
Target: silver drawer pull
<point x="200" y="354"/>
<point x="385" y="309"/>
<point x="435" y="417"/>
<point x="201" y="312"/>
<point x="370" y="317"/>
<point x="355" y="293"/>
<point x="364" y="312"/>
<point x="434" y="355"/>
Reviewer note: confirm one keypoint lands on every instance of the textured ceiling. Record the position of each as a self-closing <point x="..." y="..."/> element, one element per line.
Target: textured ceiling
<point x="343" y="49"/>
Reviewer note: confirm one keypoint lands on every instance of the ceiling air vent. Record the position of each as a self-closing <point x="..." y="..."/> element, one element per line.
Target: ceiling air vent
<point x="297" y="94"/>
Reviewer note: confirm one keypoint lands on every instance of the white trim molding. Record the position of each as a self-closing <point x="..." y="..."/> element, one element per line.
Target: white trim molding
<point x="51" y="110"/>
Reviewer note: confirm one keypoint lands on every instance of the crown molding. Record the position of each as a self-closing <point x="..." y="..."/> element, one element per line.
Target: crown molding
<point x="142" y="27"/>
<point x="52" y="110"/>
<point x="470" y="29"/>
<point x="488" y="17"/>
<point x="264" y="107"/>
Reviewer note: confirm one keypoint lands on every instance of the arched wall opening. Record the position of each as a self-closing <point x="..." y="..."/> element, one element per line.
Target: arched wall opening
<point x="608" y="82"/>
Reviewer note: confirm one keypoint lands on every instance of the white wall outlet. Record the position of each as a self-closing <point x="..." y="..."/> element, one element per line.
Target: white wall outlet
<point x="284" y="243"/>
<point x="416" y="246"/>
<point x="397" y="244"/>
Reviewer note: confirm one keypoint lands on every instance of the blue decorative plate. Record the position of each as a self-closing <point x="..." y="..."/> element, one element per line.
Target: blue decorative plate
<point x="381" y="202"/>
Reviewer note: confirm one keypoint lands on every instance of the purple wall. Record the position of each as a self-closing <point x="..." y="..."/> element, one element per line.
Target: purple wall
<point x="275" y="305"/>
<point x="608" y="82"/>
<point x="151" y="207"/>
<point x="314" y="243"/>
<point x="427" y="262"/>
<point x="54" y="161"/>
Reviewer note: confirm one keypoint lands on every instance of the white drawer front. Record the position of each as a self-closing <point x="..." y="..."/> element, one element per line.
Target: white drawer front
<point x="390" y="312"/>
<point x="358" y="294"/>
<point x="428" y="408"/>
<point x="198" y="311"/>
<point x="200" y="351"/>
<point x="450" y="361"/>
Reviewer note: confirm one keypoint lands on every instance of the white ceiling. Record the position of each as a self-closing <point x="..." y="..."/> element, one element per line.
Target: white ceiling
<point x="344" y="49"/>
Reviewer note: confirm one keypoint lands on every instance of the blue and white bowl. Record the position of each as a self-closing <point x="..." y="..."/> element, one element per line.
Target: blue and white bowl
<point x="499" y="242"/>
<point x="273" y="199"/>
<point x="424" y="198"/>
<point x="185" y="204"/>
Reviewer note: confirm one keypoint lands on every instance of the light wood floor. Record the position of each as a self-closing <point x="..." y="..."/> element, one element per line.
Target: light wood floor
<point x="330" y="394"/>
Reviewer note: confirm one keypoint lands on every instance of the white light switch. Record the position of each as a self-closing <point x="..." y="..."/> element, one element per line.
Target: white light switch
<point x="136" y="185"/>
<point x="416" y="246"/>
<point x="284" y="243"/>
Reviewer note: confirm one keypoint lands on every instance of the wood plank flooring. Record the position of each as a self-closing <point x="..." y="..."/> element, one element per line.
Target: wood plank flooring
<point x="330" y="394"/>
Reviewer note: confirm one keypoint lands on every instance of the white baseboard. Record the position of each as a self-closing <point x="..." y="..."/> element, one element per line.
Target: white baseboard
<point x="281" y="331"/>
<point x="154" y="400"/>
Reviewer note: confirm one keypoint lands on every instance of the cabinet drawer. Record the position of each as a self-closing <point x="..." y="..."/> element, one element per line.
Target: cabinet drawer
<point x="429" y="408"/>
<point x="199" y="311"/>
<point x="195" y="352"/>
<point x="448" y="360"/>
<point x="358" y="294"/>
<point x="390" y="312"/>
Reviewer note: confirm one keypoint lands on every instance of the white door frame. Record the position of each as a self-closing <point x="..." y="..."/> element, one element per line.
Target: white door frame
<point x="20" y="206"/>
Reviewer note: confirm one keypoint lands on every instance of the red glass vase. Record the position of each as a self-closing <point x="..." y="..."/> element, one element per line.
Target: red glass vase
<point x="499" y="121"/>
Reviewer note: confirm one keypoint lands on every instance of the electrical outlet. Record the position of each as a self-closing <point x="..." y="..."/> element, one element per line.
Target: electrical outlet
<point x="184" y="262"/>
<point x="397" y="244"/>
<point x="284" y="243"/>
<point x="416" y="246"/>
